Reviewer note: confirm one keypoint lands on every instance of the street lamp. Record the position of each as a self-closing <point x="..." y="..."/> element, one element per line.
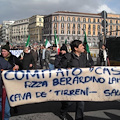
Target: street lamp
<point x="100" y="37"/>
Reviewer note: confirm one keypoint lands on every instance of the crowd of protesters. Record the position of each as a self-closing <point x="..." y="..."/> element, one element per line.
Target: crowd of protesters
<point x="41" y="57"/>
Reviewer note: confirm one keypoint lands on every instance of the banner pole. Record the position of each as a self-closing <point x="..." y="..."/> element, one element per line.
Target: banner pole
<point x="3" y="101"/>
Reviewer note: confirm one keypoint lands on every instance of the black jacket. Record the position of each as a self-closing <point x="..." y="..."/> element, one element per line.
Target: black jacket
<point x="13" y="60"/>
<point x="62" y="61"/>
<point x="27" y="60"/>
<point x="77" y="62"/>
<point x="5" y="65"/>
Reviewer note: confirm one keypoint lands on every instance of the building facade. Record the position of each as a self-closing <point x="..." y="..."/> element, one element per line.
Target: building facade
<point x="71" y="25"/>
<point x="36" y="24"/>
<point x="6" y="31"/>
<point x="20" y="31"/>
<point x="113" y="27"/>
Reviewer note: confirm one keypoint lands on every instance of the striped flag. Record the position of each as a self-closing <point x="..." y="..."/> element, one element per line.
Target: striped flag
<point x="56" y="42"/>
<point x="47" y="43"/>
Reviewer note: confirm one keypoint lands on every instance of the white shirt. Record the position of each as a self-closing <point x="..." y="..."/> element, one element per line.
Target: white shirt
<point x="105" y="55"/>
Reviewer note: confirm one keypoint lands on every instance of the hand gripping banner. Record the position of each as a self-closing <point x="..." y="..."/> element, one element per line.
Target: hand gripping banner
<point x="77" y="84"/>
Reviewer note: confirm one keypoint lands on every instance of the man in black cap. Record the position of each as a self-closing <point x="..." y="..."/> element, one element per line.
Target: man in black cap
<point x="61" y="60"/>
<point x="13" y="60"/>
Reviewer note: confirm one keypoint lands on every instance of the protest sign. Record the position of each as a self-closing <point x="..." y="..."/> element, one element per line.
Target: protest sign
<point x="77" y="84"/>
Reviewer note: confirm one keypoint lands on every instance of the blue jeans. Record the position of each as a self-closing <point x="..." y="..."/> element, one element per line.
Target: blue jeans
<point x="7" y="109"/>
<point x="51" y="66"/>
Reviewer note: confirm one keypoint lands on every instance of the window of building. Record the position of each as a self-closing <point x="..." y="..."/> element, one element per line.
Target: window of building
<point x="55" y="18"/>
<point x="94" y="21"/>
<point x="116" y="27"/>
<point x="89" y="32"/>
<point x="62" y="18"/>
<point x="93" y="27"/>
<point x="110" y="28"/>
<point x="93" y="32"/>
<point x="78" y="32"/>
<point x="73" y="32"/>
<point x="68" y="25"/>
<point x="110" y="21"/>
<point x="78" y="20"/>
<point x="62" y="31"/>
<point x="68" y="32"/>
<point x="40" y="19"/>
<point x="116" y="22"/>
<point x="73" y="25"/>
<point x="84" y="19"/>
<point x="98" y="20"/>
<point x="98" y="27"/>
<point x="98" y="33"/>
<point x="62" y="25"/>
<point x="89" y="20"/>
<point x="73" y="19"/>
<point x="68" y="19"/>
<point x="84" y="26"/>
<point x="89" y="26"/>
<point x="55" y="25"/>
<point x="78" y="25"/>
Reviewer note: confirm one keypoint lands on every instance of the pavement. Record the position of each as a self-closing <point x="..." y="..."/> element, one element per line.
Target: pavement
<point x="50" y="111"/>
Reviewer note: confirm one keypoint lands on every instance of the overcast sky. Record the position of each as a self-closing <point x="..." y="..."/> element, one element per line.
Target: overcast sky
<point x="21" y="9"/>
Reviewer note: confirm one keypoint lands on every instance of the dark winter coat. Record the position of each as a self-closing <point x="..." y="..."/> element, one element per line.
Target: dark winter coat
<point x="62" y="61"/>
<point x="27" y="60"/>
<point x="13" y="60"/>
<point x="5" y="65"/>
<point x="77" y="62"/>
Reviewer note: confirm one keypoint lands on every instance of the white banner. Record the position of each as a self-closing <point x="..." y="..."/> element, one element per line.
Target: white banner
<point x="16" y="52"/>
<point x="86" y="84"/>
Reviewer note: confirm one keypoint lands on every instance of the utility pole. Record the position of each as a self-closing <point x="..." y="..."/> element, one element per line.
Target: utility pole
<point x="104" y="24"/>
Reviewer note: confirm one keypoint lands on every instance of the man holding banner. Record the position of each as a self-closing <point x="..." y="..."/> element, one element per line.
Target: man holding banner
<point x="13" y="60"/>
<point x="78" y="60"/>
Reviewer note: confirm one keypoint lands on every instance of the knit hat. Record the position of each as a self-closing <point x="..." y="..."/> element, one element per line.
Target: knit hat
<point x="6" y="47"/>
<point x="54" y="45"/>
<point x="63" y="48"/>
